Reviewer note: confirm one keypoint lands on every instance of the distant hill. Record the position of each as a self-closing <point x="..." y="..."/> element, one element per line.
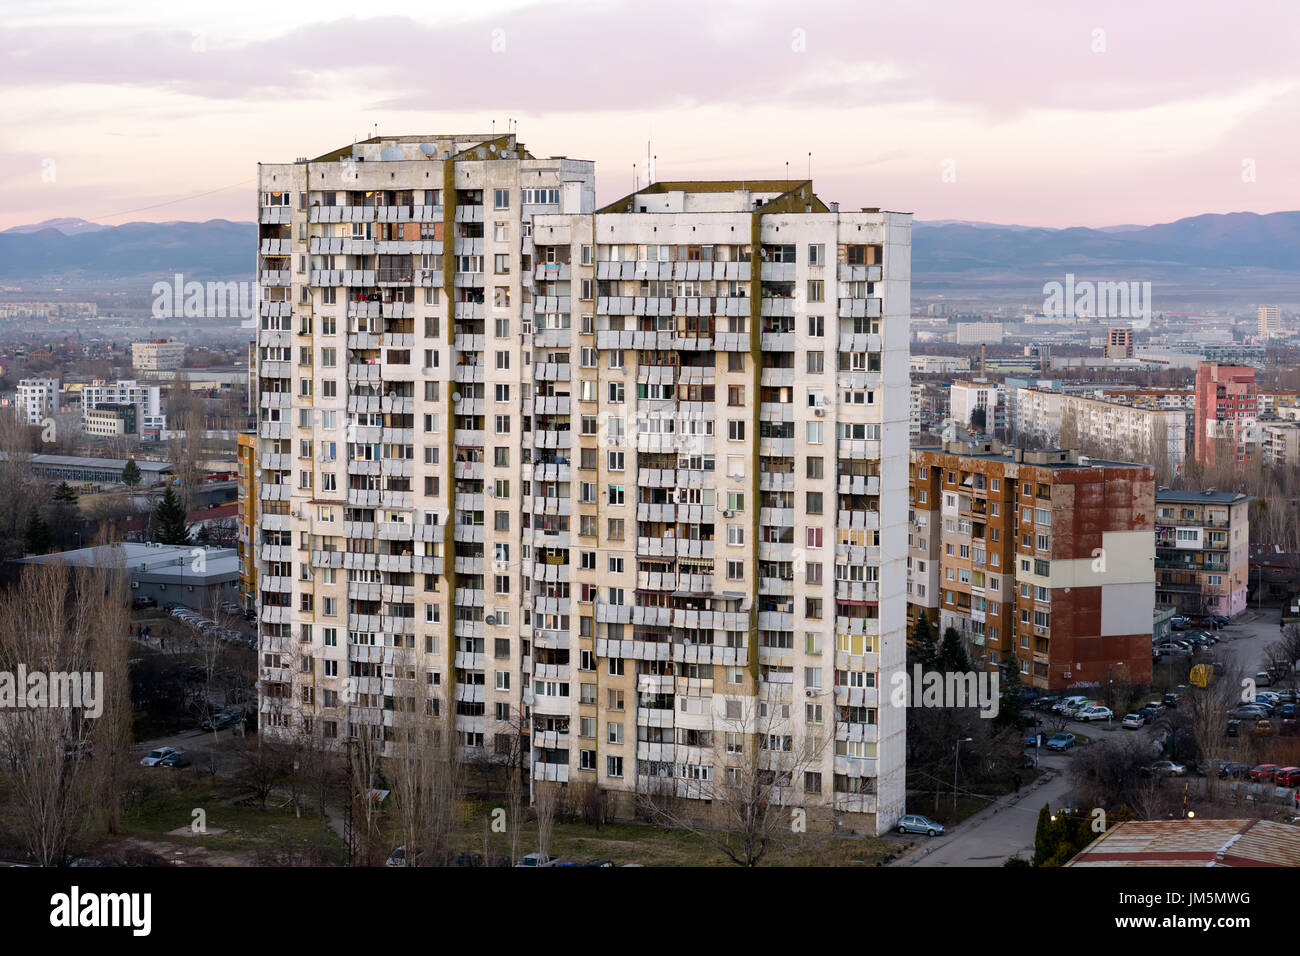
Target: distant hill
<point x="1231" y="252"/>
<point x="69" y="226"/>
<point x="214" y="249"/>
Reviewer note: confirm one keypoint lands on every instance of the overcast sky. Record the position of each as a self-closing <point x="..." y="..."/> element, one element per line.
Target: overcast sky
<point x="1015" y="112"/>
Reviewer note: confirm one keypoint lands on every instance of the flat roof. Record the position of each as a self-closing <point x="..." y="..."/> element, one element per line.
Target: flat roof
<point x="117" y="464"/>
<point x="1202" y="497"/>
<point x="146" y="561"/>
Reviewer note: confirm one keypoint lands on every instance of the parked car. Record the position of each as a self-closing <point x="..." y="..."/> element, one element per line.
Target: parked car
<point x="1133" y="721"/>
<point x="1068" y="705"/>
<point x="143" y="601"/>
<point x="1287" y="711"/>
<point x="533" y="859"/>
<point x="915" y="823"/>
<point x="1179" y="623"/>
<point x="1061" y="741"/>
<point x="155" y="757"/>
<point x="1263" y="679"/>
<point x="223" y="719"/>
<point x="1046" y="702"/>
<point x="1248" y="712"/>
<point x="1263" y="773"/>
<point x="601" y="863"/>
<point x="1263" y="727"/>
<point x="1171" y="700"/>
<point x="1168" y="768"/>
<point x="1094" y="712"/>
<point x="1266" y="704"/>
<point x="1287" y="777"/>
<point x="1234" y="770"/>
<point x="1169" y="647"/>
<point x="177" y="758"/>
<point x="1233" y="727"/>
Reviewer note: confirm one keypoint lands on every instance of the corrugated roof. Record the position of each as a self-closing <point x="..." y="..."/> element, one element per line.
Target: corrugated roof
<point x="1194" y="843"/>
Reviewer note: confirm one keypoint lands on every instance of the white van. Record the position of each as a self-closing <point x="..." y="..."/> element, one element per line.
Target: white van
<point x="1069" y="704"/>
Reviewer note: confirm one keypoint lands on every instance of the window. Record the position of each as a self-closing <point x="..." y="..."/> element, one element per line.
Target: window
<point x="500" y="199"/>
<point x="735" y="430"/>
<point x="814" y="432"/>
<point x="614" y="766"/>
<point x="735" y="534"/>
<point x="816" y="363"/>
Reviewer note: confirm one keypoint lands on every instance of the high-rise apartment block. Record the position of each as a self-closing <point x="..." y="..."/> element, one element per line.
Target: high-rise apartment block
<point x="629" y="480"/>
<point x="1226" y="412"/>
<point x="1044" y="555"/>
<point x="1119" y="343"/>
<point x="1270" y="320"/>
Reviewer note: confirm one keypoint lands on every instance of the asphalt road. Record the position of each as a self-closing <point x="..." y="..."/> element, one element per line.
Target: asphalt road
<point x="1007" y="827"/>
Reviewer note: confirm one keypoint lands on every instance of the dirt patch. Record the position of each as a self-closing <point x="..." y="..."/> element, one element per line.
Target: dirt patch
<point x="178" y="854"/>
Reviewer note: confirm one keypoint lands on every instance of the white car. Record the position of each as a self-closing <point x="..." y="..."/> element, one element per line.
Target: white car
<point x="155" y="757"/>
<point x="1096" y="712"/>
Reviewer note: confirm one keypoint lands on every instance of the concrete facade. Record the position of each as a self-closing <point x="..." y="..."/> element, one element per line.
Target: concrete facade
<point x="621" y="479"/>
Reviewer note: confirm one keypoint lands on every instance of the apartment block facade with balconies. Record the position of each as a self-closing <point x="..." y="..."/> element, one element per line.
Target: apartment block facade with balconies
<point x="629" y="481"/>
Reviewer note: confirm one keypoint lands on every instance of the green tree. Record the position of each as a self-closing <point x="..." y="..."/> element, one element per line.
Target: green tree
<point x="36" y="536"/>
<point x="921" y="649"/>
<point x="131" y="473"/>
<point x="952" y="653"/>
<point x="1012" y="690"/>
<point x="978" y="418"/>
<point x="170" y="518"/>
<point x="65" y="494"/>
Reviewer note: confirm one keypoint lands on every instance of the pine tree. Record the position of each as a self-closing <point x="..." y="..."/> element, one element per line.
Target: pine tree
<point x="921" y="649"/>
<point x="65" y="494"/>
<point x="131" y="473"/>
<point x="952" y="653"/>
<point x="36" y="536"/>
<point x="1012" y="690"/>
<point x="170" y="517"/>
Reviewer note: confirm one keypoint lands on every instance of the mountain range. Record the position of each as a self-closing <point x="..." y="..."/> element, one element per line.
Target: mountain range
<point x="1234" y="251"/>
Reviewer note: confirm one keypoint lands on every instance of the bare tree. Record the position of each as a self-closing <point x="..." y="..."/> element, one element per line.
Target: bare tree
<point x="747" y="783"/>
<point x="52" y="624"/>
<point x="545" y="802"/>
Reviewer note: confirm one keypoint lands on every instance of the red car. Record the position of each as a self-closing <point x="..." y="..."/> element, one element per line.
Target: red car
<point x="1264" y="773"/>
<point x="1287" y="777"/>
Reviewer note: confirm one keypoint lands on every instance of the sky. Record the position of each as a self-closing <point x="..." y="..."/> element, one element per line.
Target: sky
<point x="1044" y="114"/>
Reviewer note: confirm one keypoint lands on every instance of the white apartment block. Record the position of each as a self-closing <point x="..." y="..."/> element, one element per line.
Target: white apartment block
<point x="938" y="364"/>
<point x="37" y="399"/>
<point x="1130" y="430"/>
<point x="966" y="396"/>
<point x="157" y="355"/>
<point x="147" y="400"/>
<point x="636" y="475"/>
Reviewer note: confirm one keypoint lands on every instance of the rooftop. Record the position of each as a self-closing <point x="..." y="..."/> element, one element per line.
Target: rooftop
<point x="147" y="561"/>
<point x="1194" y="843"/>
<point x="117" y="464"/>
<point x="1209" y="496"/>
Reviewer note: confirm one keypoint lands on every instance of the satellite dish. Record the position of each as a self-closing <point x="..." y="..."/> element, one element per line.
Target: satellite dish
<point x="429" y="149"/>
<point x="390" y="154"/>
<point x="455" y="397"/>
<point x="490" y="620"/>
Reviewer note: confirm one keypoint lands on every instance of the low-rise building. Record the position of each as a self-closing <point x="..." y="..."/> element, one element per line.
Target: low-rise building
<point x="158" y="355"/>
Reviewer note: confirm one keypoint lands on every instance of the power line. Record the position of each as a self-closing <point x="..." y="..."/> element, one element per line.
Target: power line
<point x="169" y="202"/>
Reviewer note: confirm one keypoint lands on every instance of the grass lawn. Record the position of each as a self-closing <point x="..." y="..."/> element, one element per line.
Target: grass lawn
<point x="248" y="829"/>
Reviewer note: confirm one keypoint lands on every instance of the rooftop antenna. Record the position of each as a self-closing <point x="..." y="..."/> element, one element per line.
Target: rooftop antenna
<point x="787" y="172"/>
<point x="810" y="165"/>
<point x="636" y="183"/>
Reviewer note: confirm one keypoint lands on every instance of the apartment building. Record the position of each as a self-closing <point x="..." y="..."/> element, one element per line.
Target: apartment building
<point x="1202" y="551"/>
<point x="1119" y="343"/>
<point x="966" y="396"/>
<point x="1270" y="320"/>
<point x="938" y="364"/>
<point x="1280" y="443"/>
<point x="612" y="477"/>
<point x="158" y="355"/>
<point x="1142" y="431"/>
<point x="1041" y="555"/>
<point x="37" y="399"/>
<point x="146" y="399"/>
<point x="1226" y="411"/>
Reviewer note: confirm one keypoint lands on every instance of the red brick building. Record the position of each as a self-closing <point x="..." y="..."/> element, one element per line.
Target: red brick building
<point x="1225" y="406"/>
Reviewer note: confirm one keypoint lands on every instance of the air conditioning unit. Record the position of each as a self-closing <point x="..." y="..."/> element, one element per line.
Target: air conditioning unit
<point x="819" y="411"/>
<point x="808" y="692"/>
<point x="728" y="514"/>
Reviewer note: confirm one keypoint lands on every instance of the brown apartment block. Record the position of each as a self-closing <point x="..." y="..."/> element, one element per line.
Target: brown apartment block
<point x="1041" y="555"/>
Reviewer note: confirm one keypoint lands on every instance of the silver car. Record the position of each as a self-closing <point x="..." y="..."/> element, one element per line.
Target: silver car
<point x="915" y="823"/>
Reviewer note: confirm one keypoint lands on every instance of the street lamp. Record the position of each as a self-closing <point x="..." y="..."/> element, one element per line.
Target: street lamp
<point x="955" y="763"/>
